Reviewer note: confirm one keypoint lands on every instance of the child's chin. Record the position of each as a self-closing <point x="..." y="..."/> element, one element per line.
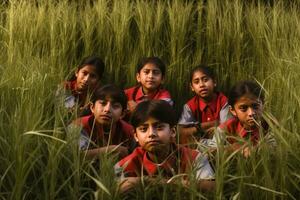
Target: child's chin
<point x="105" y="122"/>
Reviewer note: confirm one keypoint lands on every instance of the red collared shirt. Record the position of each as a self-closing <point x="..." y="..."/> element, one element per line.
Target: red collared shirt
<point x="121" y="134"/>
<point x="234" y="128"/>
<point x="136" y="94"/>
<point x="182" y="161"/>
<point x="197" y="111"/>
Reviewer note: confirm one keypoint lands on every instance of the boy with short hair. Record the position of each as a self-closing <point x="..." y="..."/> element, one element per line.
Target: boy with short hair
<point x="104" y="130"/>
<point x="154" y="129"/>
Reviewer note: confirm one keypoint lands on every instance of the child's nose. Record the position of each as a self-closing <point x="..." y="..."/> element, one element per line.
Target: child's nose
<point x="251" y="111"/>
<point x="152" y="132"/>
<point x="86" y="78"/>
<point x="107" y="107"/>
<point x="151" y="74"/>
<point x="201" y="83"/>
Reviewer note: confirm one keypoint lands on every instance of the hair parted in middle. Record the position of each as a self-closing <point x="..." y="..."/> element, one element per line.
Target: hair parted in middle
<point x="110" y="92"/>
<point x="153" y="60"/>
<point x="157" y="109"/>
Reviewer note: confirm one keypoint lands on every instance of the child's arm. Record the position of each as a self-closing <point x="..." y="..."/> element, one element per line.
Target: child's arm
<point x="219" y="139"/>
<point x="189" y="133"/>
<point x="190" y="129"/>
<point x="204" y="173"/>
<point x="128" y="183"/>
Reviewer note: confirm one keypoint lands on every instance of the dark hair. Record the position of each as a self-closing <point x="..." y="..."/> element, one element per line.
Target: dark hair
<point x="208" y="71"/>
<point x="245" y="87"/>
<point x="154" y="60"/>
<point x="94" y="61"/>
<point x="158" y="109"/>
<point x="111" y="92"/>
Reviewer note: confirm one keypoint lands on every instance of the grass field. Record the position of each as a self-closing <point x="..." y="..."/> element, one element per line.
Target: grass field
<point x="42" y="41"/>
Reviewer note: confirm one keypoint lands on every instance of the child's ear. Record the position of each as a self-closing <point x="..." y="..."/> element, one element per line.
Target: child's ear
<point x="232" y="110"/>
<point x="191" y="86"/>
<point x="173" y="132"/>
<point x="135" y="137"/>
<point x="76" y="73"/>
<point x="92" y="107"/>
<point x="162" y="79"/>
<point x="138" y="78"/>
<point x="124" y="113"/>
<point x="215" y="83"/>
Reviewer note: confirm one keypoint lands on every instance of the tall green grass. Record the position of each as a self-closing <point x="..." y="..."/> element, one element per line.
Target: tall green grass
<point x="42" y="41"/>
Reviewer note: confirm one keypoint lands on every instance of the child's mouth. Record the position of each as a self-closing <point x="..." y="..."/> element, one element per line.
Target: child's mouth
<point x="105" y="117"/>
<point x="203" y="92"/>
<point x="153" y="142"/>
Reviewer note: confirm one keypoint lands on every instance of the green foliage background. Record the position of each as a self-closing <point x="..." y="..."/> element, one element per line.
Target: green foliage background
<point x="41" y="42"/>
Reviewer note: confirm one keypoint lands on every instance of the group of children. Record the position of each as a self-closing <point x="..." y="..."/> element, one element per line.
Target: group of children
<point x="146" y="144"/>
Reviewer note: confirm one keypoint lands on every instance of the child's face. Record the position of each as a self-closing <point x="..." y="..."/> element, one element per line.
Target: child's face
<point x="154" y="136"/>
<point x="86" y="77"/>
<point x="106" y="111"/>
<point x="203" y="85"/>
<point x="248" y="109"/>
<point x="150" y="77"/>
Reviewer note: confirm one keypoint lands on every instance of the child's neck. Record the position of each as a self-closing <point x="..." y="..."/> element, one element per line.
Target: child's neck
<point x="161" y="156"/>
<point x="148" y="92"/>
<point x="208" y="99"/>
<point x="106" y="129"/>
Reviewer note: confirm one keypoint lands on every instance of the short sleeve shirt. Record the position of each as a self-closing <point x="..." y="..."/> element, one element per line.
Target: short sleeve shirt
<point x="232" y="131"/>
<point x="136" y="94"/>
<point x="197" y="111"/>
<point x="71" y="98"/>
<point x="137" y="163"/>
<point x="122" y="134"/>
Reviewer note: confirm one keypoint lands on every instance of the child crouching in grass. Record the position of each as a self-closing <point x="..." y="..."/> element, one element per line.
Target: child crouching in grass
<point x="158" y="157"/>
<point x="247" y="128"/>
<point x="104" y="131"/>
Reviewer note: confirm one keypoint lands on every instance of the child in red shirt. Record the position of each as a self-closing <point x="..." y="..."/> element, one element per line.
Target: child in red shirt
<point x="205" y="110"/>
<point x="104" y="131"/>
<point x="150" y="76"/>
<point x="75" y="91"/>
<point x="244" y="131"/>
<point x="157" y="155"/>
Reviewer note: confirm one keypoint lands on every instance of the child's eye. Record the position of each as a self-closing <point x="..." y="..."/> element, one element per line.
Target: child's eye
<point x="142" y="129"/>
<point x="93" y="76"/>
<point x="160" y="127"/>
<point x="255" y="106"/>
<point x="103" y="103"/>
<point x="156" y="72"/>
<point x="243" y="108"/>
<point x="146" y="71"/>
<point x="205" y="79"/>
<point x="85" y="73"/>
<point x="196" y="81"/>
<point x="116" y="106"/>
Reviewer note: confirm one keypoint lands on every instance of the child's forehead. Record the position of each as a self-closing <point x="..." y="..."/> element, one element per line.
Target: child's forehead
<point x="150" y="66"/>
<point x="108" y="98"/>
<point x="200" y="74"/>
<point x="248" y="98"/>
<point x="150" y="120"/>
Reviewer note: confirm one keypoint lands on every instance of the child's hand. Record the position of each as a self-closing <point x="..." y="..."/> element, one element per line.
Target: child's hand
<point x="210" y="132"/>
<point x="246" y="151"/>
<point x="131" y="105"/>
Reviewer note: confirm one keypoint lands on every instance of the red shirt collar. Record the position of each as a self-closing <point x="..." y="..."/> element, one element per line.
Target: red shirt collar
<point x="141" y="96"/>
<point x="212" y="104"/>
<point x="252" y="134"/>
<point x="152" y="167"/>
